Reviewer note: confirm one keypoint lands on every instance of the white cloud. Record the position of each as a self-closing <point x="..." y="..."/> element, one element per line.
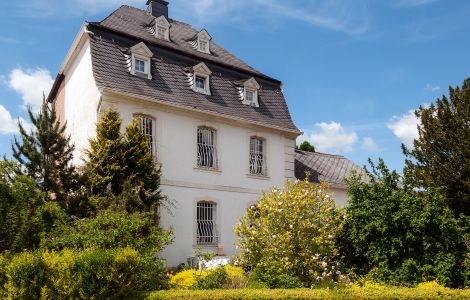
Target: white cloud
<point x="346" y="16"/>
<point x="8" y="124"/>
<point x="432" y="88"/>
<point x="413" y="3"/>
<point x="405" y="127"/>
<point x="369" y="144"/>
<point x="31" y="84"/>
<point x="331" y="137"/>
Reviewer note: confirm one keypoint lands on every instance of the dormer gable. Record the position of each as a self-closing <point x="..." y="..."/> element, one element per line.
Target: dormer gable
<point x="162" y="28"/>
<point x="203" y="41"/>
<point x="250" y="92"/>
<point x="200" y="78"/>
<point x="141" y="58"/>
<point x="202" y="69"/>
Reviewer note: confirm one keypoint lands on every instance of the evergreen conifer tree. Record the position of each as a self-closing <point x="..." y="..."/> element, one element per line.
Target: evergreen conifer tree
<point x="45" y="154"/>
<point x="121" y="171"/>
<point x="440" y="156"/>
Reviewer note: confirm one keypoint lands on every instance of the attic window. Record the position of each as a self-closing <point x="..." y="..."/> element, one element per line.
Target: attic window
<point x="203" y="41"/>
<point x="140" y="64"/>
<point x="162" y="28"/>
<point x="201" y="79"/>
<point x="250" y="92"/>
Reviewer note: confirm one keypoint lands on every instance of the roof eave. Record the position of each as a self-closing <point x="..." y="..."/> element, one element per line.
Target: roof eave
<point x="289" y="132"/>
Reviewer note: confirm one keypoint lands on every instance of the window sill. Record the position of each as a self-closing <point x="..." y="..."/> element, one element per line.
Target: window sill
<point x="207" y="170"/>
<point x="201" y="91"/>
<point x="256" y="176"/>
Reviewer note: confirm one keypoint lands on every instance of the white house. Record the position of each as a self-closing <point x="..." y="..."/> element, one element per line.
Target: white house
<point x="220" y="129"/>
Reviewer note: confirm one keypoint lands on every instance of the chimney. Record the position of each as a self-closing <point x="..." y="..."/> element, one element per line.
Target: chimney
<point x="158" y="8"/>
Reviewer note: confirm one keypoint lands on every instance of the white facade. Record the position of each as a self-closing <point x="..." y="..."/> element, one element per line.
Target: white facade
<point x="230" y="187"/>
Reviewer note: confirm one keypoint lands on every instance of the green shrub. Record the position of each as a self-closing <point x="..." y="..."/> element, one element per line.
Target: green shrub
<point x="4" y="262"/>
<point x="214" y="280"/>
<point x="236" y="278"/>
<point x="60" y="269"/>
<point x="110" y="230"/>
<point x="26" y="275"/>
<point x="400" y="235"/>
<point x="282" y="281"/>
<point x="292" y="232"/>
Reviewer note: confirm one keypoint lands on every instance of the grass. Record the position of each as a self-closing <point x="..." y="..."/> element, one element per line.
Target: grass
<point x="350" y="293"/>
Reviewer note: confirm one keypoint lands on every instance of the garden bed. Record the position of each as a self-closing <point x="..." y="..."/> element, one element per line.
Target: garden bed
<point x="349" y="293"/>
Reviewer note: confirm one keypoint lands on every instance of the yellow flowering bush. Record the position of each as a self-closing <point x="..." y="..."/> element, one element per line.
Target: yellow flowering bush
<point x="185" y="279"/>
<point x="291" y="232"/>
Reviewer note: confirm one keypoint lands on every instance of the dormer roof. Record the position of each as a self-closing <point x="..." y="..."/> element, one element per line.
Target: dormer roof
<point x="202" y="68"/>
<point x="141" y="49"/>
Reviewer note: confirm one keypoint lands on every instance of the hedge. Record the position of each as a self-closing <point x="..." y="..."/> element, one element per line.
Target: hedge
<point x="349" y="293"/>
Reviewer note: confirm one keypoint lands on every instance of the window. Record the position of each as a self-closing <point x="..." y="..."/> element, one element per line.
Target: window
<point x="206" y="149"/>
<point x="200" y="83"/>
<point x="148" y="130"/>
<point x="206" y="225"/>
<point x="140" y="61"/>
<point x="139" y="65"/>
<point x="162" y="28"/>
<point x="161" y="32"/>
<point x="250" y="94"/>
<point x="201" y="79"/>
<point x="257" y="156"/>
<point x="203" y="46"/>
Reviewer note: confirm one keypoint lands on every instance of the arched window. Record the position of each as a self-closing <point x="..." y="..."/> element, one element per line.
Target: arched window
<point x="258" y="156"/>
<point x="206" y="225"/>
<point x="147" y="125"/>
<point x="206" y="148"/>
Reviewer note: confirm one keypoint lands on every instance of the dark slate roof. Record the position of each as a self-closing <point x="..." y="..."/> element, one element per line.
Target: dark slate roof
<point x="332" y="169"/>
<point x="128" y="26"/>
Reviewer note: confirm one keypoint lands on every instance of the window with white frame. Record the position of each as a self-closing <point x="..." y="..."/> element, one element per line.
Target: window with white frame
<point x="147" y="125"/>
<point x="206" y="223"/>
<point x="203" y="42"/>
<point x="250" y="94"/>
<point x="162" y="28"/>
<point x="258" y="156"/>
<point x="140" y="63"/>
<point x="201" y="79"/>
<point x="206" y="148"/>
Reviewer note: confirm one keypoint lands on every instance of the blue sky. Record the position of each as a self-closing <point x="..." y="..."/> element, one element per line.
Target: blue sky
<point x="352" y="70"/>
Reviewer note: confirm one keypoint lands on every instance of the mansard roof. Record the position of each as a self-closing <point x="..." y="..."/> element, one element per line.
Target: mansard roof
<point x="329" y="168"/>
<point x="113" y="37"/>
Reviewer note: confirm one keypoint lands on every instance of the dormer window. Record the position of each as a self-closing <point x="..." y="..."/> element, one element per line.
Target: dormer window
<point x="203" y="41"/>
<point x="201" y="79"/>
<point x="162" y="28"/>
<point x="250" y="92"/>
<point x="141" y="57"/>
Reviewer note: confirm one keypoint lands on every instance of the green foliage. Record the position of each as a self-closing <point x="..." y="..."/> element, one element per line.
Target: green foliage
<point x="45" y="154"/>
<point x="90" y="274"/>
<point x="398" y="235"/>
<point x="213" y="280"/>
<point x="282" y="281"/>
<point x="306" y="146"/>
<point x="24" y="216"/>
<point x="330" y="294"/>
<point x="291" y="232"/>
<point x="439" y="158"/>
<point x="25" y="276"/>
<point x="110" y="230"/>
<point x="121" y="172"/>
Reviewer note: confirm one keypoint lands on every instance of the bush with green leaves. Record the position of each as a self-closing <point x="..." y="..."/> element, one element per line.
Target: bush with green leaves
<point x="398" y="234"/>
<point x="109" y="230"/>
<point x="292" y="232"/>
<point x="90" y="274"/>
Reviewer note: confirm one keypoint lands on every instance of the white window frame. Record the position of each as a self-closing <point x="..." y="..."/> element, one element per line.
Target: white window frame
<point x="152" y="143"/>
<point x="162" y="23"/>
<point x="257" y="159"/>
<point x="202" y="71"/>
<point x="206" y="223"/>
<point x="143" y="53"/>
<point x="203" y="38"/>
<point x="206" y="150"/>
<point x="251" y="85"/>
